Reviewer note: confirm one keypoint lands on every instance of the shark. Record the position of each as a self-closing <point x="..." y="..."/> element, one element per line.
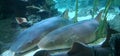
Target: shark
<point x="64" y="37"/>
<point x="30" y="37"/>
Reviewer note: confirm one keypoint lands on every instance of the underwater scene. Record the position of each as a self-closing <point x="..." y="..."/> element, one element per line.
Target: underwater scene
<point x="59" y="27"/>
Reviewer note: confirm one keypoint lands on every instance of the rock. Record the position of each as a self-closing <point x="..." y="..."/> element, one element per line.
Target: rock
<point x="42" y="8"/>
<point x="115" y="44"/>
<point x="7" y="33"/>
<point x="115" y="23"/>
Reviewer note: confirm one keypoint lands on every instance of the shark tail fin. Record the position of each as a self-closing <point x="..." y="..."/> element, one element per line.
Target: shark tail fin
<point x="8" y="53"/>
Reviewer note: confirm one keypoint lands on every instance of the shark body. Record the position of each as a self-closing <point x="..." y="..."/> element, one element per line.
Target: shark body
<point x="30" y="37"/>
<point x="64" y="37"/>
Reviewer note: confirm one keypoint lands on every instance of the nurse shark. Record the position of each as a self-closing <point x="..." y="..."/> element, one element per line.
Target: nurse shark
<point x="30" y="37"/>
<point x="64" y="37"/>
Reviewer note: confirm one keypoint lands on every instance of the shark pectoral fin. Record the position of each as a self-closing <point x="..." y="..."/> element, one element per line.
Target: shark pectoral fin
<point x="65" y="14"/>
<point x="78" y="47"/>
<point x="98" y="17"/>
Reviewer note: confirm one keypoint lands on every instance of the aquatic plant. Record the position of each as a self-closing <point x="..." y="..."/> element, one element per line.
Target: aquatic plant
<point x="76" y="12"/>
<point x="101" y="32"/>
<point x="95" y="4"/>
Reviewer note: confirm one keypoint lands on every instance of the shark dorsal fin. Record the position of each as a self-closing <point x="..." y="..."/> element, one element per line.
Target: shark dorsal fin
<point x="98" y="17"/>
<point x="65" y="14"/>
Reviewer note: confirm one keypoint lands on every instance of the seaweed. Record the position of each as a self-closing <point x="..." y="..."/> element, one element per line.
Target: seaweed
<point x="101" y="32"/>
<point x="95" y="4"/>
<point x="76" y="12"/>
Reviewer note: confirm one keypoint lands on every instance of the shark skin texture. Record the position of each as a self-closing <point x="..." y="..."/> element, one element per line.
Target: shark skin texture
<point x="64" y="37"/>
<point x="30" y="37"/>
<point x="83" y="31"/>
